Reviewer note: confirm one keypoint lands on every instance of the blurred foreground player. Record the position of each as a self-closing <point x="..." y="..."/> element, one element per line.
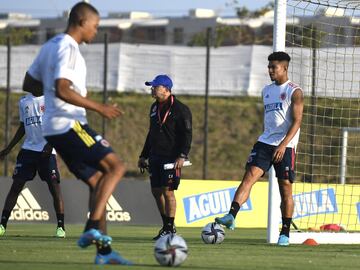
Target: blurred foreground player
<point x="61" y="69"/>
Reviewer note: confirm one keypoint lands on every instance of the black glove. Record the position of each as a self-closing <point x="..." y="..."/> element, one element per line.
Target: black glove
<point x="142" y="164"/>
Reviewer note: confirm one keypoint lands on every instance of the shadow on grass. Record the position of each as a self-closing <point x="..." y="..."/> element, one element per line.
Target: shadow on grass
<point x="35" y="237"/>
<point x="190" y="239"/>
<point x="147" y="239"/>
<point x="28" y="262"/>
<point x="33" y="263"/>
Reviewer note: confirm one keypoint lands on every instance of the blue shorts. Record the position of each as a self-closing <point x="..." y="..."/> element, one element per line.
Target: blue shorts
<point x="29" y="162"/>
<point x="82" y="149"/>
<point x="262" y="154"/>
<point x="160" y="177"/>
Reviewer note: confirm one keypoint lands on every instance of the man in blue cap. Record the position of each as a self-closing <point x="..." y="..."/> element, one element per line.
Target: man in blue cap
<point x="168" y="141"/>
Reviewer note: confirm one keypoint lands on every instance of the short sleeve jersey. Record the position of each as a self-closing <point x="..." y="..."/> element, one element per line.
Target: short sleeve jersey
<point x="277" y="113"/>
<point x="31" y="110"/>
<point x="60" y="58"/>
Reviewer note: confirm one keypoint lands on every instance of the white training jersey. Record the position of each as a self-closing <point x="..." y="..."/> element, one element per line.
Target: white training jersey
<point x="277" y="113"/>
<point x="60" y="57"/>
<point x="31" y="110"/>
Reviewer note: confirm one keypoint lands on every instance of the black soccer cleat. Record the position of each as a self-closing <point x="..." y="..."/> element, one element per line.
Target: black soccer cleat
<point x="164" y="232"/>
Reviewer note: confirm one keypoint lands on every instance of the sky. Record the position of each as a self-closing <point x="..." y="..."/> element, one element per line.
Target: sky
<point x="160" y="8"/>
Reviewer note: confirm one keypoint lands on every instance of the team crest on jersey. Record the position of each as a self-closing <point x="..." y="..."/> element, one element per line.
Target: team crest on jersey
<point x="283" y="96"/>
<point x="42" y="108"/>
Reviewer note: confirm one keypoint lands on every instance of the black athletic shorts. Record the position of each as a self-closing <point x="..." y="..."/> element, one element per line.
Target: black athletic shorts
<point x="82" y="149"/>
<point x="29" y="162"/>
<point x="159" y="177"/>
<point x="262" y="154"/>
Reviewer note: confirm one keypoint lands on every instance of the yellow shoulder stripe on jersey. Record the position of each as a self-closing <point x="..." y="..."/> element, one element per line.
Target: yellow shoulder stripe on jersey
<point x="83" y="135"/>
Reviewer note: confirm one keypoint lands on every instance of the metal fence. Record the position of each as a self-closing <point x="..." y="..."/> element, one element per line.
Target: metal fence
<point x="125" y="67"/>
<point x="202" y="71"/>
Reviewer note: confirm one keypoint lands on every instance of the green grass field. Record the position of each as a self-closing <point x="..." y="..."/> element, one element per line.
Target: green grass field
<point x="31" y="246"/>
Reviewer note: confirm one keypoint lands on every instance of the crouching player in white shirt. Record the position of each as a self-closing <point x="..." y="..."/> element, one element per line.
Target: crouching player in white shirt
<point x="36" y="155"/>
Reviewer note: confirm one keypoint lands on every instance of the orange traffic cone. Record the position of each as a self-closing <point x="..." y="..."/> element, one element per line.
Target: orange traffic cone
<point x="310" y="242"/>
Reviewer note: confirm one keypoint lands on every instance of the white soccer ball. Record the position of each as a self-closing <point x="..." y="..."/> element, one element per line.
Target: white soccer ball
<point x="170" y="250"/>
<point x="213" y="233"/>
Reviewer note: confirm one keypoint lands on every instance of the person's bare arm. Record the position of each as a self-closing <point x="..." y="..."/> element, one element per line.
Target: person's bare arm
<point x="65" y="92"/>
<point x="17" y="137"/>
<point x="297" y="107"/>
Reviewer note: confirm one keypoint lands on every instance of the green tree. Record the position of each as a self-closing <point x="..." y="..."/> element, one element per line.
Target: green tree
<point x="243" y="34"/>
<point x="17" y="36"/>
<point x="243" y="12"/>
<point x="261" y="12"/>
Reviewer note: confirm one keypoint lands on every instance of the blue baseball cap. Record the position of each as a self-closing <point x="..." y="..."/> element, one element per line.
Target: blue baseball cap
<point x="163" y="80"/>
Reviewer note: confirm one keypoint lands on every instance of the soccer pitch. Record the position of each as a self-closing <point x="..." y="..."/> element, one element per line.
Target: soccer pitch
<point x="32" y="246"/>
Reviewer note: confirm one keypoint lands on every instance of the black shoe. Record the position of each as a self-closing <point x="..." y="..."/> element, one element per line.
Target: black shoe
<point x="161" y="233"/>
<point x="164" y="232"/>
